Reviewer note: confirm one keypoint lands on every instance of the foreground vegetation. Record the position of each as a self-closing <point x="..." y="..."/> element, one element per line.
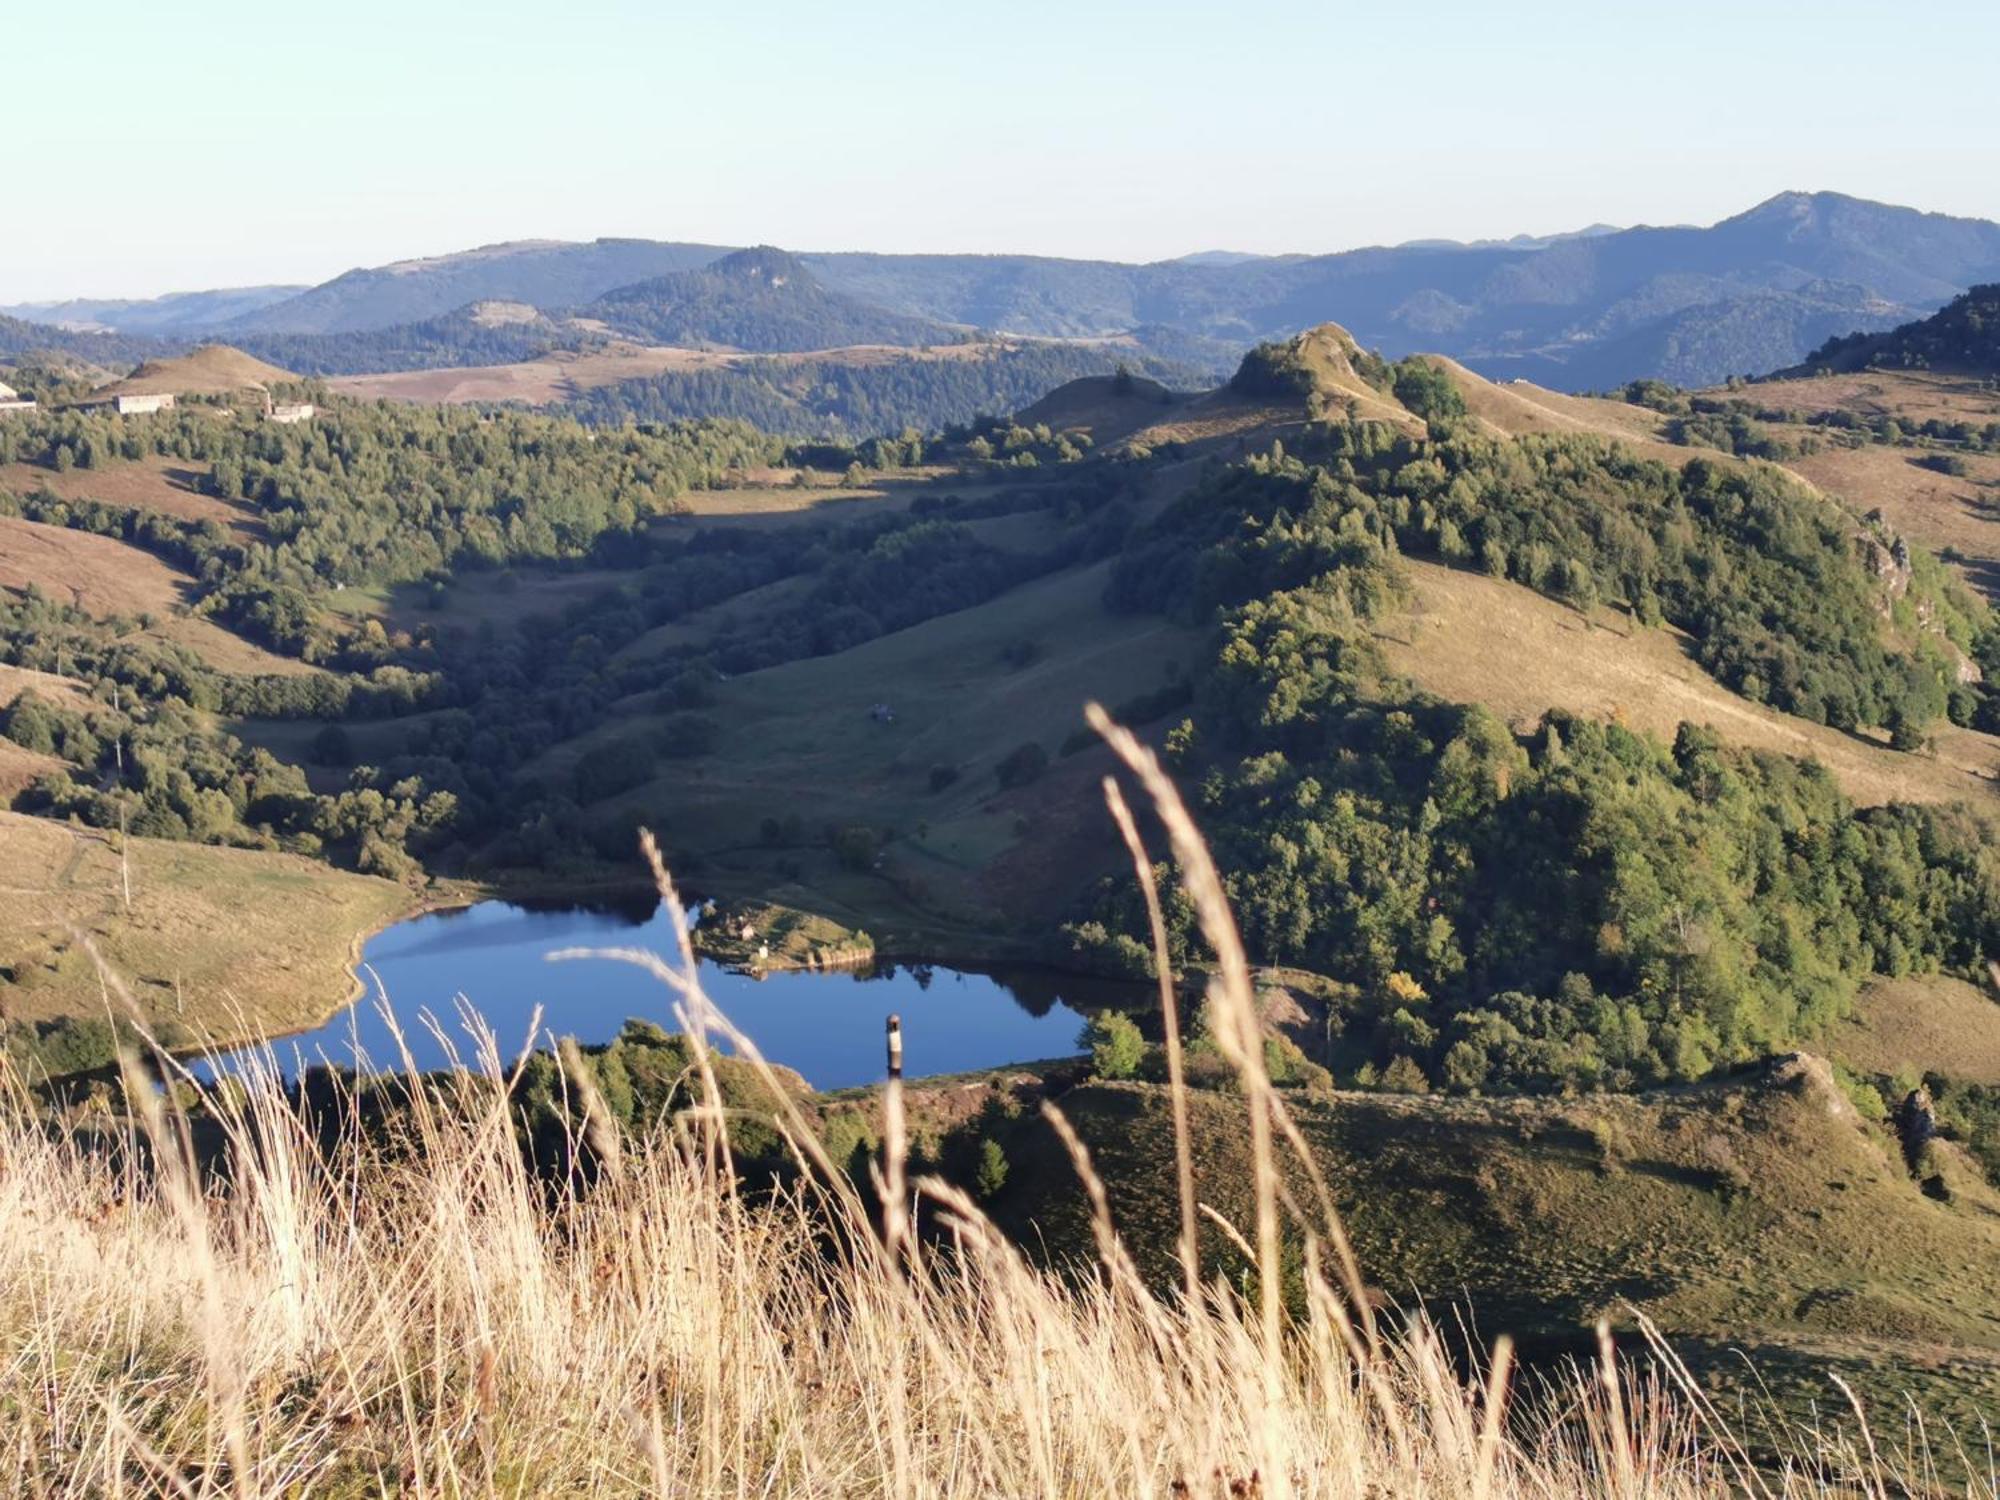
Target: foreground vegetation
<point x="353" y="1304"/>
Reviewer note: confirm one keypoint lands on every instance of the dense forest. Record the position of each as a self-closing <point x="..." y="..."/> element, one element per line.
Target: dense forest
<point x="1963" y="335"/>
<point x="762" y="300"/>
<point x="457" y="339"/>
<point x="842" y="398"/>
<point x="1586" y="905"/>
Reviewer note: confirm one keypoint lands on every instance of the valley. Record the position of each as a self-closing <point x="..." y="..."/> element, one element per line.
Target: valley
<point x="1571" y="758"/>
<point x="889" y="753"/>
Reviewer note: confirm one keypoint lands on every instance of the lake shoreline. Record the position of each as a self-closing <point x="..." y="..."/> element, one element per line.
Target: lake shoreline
<point x="963" y="1016"/>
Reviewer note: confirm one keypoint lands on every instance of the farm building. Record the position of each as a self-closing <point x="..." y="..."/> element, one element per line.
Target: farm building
<point x="290" y="412"/>
<point x="13" y="400"/>
<point x="135" y="406"/>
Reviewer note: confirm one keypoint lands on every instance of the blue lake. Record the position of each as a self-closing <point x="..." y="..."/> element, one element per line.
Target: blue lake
<point x="492" y="958"/>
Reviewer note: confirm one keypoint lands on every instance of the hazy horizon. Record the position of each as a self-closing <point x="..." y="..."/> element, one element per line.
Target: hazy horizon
<point x="248" y="146"/>
<point x="120" y="293"/>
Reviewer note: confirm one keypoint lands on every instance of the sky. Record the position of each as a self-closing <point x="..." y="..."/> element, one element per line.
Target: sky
<point x="156" y="147"/>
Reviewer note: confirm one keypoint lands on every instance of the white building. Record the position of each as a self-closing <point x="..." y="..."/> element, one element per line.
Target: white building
<point x="132" y="406"/>
<point x="13" y="400"/>
<point x="290" y="412"/>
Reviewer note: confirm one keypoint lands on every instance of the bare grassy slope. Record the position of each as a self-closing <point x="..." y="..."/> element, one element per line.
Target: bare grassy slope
<point x="225" y="941"/>
<point x="1474" y="639"/>
<point x="1763" y="1215"/>
<point x="107" y="578"/>
<point x="212" y="370"/>
<point x="1518" y="408"/>
<point x="1922" y="1024"/>
<point x="169" y="486"/>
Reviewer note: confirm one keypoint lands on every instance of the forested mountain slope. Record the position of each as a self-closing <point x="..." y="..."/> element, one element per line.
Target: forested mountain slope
<point x="543" y="273"/>
<point x="762" y="300"/>
<point x="1962" y="337"/>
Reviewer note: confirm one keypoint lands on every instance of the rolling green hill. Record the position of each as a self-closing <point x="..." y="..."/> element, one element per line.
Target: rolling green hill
<point x="1775" y="1232"/>
<point x="1227" y="570"/>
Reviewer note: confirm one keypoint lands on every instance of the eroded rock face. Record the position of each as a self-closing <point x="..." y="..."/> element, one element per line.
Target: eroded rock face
<point x="1887" y="555"/>
<point x="1810" y="1076"/>
<point x="1916" y="1123"/>
<point x="1890" y="563"/>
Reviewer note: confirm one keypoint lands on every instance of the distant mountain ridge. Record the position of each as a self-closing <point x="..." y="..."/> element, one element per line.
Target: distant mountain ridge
<point x="20" y="338"/>
<point x="544" y="273"/>
<point x="174" y="313"/>
<point x="763" y="300"/>
<point x="1584" y="310"/>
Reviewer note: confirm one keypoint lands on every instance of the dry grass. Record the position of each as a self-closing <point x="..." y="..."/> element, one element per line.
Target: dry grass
<point x="359" y="1320"/>
<point x="230" y="942"/>
<point x="1936" y="510"/>
<point x="21" y="768"/>
<point x="1918" y="395"/>
<point x="1926" y="1023"/>
<point x="169" y="486"/>
<point x="104" y="577"/>
<point x="63" y="692"/>
<point x="1474" y="639"/>
<point x="1519" y="408"/>
<point x="212" y="370"/>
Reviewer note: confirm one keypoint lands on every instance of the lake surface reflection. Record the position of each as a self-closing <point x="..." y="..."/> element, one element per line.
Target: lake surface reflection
<point x="491" y="958"/>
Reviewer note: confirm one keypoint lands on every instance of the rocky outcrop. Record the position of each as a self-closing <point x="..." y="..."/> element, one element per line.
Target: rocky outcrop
<point x="1916" y="1125"/>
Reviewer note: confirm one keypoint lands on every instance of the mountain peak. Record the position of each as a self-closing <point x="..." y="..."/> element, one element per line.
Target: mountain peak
<point x="762" y="263"/>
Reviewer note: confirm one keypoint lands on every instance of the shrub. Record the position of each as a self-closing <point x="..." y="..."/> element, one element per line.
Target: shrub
<point x="1403" y="1076"/>
<point x="610" y="769"/>
<point x="1116" y="1048"/>
<point x="990" y="1175"/>
<point x="1021" y="765"/>
<point x="856" y="846"/>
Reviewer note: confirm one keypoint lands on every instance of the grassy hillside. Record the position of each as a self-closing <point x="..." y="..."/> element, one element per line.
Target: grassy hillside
<point x="211" y="370"/>
<point x="219" y="943"/>
<point x="1920" y="446"/>
<point x="1469" y="638"/>
<point x="109" y="580"/>
<point x="1763" y="1216"/>
<point x="280" y="1321"/>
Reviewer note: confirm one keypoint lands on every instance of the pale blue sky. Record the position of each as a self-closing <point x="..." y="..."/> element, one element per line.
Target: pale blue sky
<point x="156" y="146"/>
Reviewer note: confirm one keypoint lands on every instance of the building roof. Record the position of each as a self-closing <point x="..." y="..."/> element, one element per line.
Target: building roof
<point x="7" y="392"/>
